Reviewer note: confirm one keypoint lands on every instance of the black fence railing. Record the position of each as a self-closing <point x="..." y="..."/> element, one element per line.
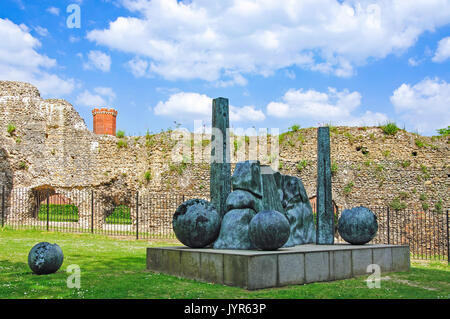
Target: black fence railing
<point x="149" y="216"/>
<point x="141" y="215"/>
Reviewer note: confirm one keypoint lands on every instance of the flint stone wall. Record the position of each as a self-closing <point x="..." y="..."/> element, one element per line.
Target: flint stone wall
<point x="52" y="146"/>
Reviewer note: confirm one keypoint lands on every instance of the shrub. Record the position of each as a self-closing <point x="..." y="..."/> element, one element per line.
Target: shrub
<point x="424" y="170"/>
<point x="22" y="165"/>
<point x="348" y="188"/>
<point x="333" y="129"/>
<point x="122" y="143"/>
<point x="444" y="131"/>
<point x="379" y="168"/>
<point x="120" y="134"/>
<point x="237" y="145"/>
<point x="206" y="142"/>
<point x="389" y="128"/>
<point x="148" y="176"/>
<point x="179" y="168"/>
<point x="438" y="206"/>
<point x="425" y="206"/>
<point x="294" y="128"/>
<point x="405" y="164"/>
<point x="350" y="137"/>
<point x="334" y="168"/>
<point x="423" y="197"/>
<point x="11" y="129"/>
<point x="301" y="165"/>
<point x="397" y="204"/>
<point x="403" y="195"/>
<point x="386" y="153"/>
<point x="419" y="143"/>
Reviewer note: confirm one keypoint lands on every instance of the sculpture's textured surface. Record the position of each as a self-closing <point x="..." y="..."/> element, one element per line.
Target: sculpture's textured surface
<point x="242" y="199"/>
<point x="301" y="223"/>
<point x="279" y="181"/>
<point x="325" y="214"/>
<point x="358" y="225"/>
<point x="45" y="258"/>
<point x="269" y="230"/>
<point x="196" y="223"/>
<point x="220" y="173"/>
<point x="298" y="212"/>
<point x="247" y="176"/>
<point x="234" y="232"/>
<point x="271" y="196"/>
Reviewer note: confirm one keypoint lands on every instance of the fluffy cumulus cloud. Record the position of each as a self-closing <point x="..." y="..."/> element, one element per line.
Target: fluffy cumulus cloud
<point x="20" y="61"/>
<point x="98" y="60"/>
<point x="337" y="107"/>
<point x="138" y="67"/>
<point x="188" y="105"/>
<point x="425" y="105"/>
<point x="221" y="41"/>
<point x="443" y="50"/>
<point x="102" y="96"/>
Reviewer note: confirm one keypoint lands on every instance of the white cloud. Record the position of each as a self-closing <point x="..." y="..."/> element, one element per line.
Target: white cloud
<point x="339" y="107"/>
<point x="20" y="61"/>
<point x="43" y="32"/>
<point x="443" y="50"/>
<point x="102" y="96"/>
<point x="413" y="62"/>
<point x="106" y="92"/>
<point x="98" y="60"/>
<point x="53" y="10"/>
<point x="73" y="39"/>
<point x="424" y="105"/>
<point x="138" y="67"/>
<point x="215" y="41"/>
<point x="184" y="105"/>
<point x="245" y="113"/>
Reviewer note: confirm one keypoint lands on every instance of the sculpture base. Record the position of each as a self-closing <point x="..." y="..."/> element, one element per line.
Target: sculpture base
<point x="252" y="269"/>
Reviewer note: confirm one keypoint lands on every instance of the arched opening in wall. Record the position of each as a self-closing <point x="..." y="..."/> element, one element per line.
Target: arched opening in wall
<point x="313" y="201"/>
<point x="120" y="215"/>
<point x="55" y="207"/>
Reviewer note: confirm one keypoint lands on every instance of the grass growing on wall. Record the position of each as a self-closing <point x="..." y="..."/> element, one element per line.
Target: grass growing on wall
<point x="113" y="268"/>
<point x="390" y="128"/>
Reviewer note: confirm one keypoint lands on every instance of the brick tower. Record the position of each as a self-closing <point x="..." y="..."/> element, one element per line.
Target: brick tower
<point x="104" y="121"/>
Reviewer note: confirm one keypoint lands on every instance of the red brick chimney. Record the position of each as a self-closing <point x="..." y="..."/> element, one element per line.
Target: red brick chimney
<point x="104" y="121"/>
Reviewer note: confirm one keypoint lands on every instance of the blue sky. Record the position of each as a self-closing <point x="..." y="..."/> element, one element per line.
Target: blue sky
<point x="279" y="62"/>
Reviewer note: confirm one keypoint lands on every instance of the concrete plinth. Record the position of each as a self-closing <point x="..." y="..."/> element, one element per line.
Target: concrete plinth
<point x="252" y="269"/>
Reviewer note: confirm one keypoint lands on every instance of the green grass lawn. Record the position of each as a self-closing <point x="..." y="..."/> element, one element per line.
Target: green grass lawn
<point x="58" y="213"/>
<point x="120" y="215"/>
<point x="114" y="268"/>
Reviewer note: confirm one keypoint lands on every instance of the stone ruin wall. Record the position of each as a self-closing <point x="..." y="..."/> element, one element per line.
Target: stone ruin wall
<point x="54" y="144"/>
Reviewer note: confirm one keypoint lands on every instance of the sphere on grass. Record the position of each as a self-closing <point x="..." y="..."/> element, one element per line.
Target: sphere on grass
<point x="358" y="225"/>
<point x="269" y="230"/>
<point x="45" y="258"/>
<point x="196" y="223"/>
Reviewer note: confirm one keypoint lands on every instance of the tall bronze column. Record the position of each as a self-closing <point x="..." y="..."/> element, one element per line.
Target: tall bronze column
<point x="325" y="214"/>
<point x="220" y="177"/>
